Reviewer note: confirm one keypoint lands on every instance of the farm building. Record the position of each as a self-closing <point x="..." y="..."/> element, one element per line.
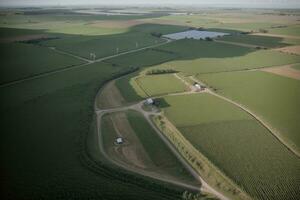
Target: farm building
<point x="119" y="140"/>
<point x="198" y="86"/>
<point x="149" y="101"/>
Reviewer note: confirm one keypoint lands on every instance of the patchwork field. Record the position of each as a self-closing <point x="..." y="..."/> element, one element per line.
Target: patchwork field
<point x="143" y="149"/>
<point x="231" y="139"/>
<point x="252" y="60"/>
<point x="49" y="139"/>
<point x="154" y="85"/>
<point x="272" y="97"/>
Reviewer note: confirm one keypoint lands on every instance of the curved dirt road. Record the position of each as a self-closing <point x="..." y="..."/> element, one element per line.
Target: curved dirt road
<point x="205" y="187"/>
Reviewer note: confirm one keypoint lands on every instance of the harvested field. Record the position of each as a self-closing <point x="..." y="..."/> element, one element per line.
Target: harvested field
<point x="290" y="49"/>
<point x="142" y="149"/>
<point x="132" y="152"/>
<point x="110" y="96"/>
<point x="286" y="70"/>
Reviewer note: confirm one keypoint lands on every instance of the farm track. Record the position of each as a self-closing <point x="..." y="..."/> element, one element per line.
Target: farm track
<point x="147" y="115"/>
<point x="88" y="62"/>
<point x="136" y="107"/>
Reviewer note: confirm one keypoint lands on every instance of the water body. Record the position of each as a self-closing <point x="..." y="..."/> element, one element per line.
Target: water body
<point x="194" y="34"/>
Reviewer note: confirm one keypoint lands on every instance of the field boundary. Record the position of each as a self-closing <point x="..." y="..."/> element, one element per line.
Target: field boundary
<point x="271" y="130"/>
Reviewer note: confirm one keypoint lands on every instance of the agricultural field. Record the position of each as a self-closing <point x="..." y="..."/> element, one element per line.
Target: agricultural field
<point x="232" y="139"/>
<point x="53" y="94"/>
<point x="154" y="85"/>
<point x="297" y="66"/>
<point x="265" y="41"/>
<point x="22" y="60"/>
<point x="272" y="97"/>
<point x="251" y="60"/>
<point x="144" y="149"/>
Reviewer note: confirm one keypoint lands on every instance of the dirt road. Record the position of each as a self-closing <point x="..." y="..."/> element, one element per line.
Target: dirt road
<point x="138" y="107"/>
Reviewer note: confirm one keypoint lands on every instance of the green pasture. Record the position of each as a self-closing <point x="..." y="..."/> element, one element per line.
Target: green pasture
<point x="265" y="41"/>
<point x="25" y="60"/>
<point x="274" y="98"/>
<point x="251" y="60"/>
<point x="154" y="85"/>
<point x="143" y="58"/>
<point x="232" y="140"/>
<point x="190" y="49"/>
<point x="292" y="30"/>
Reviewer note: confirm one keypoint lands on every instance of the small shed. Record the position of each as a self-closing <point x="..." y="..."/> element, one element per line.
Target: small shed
<point x="119" y="140"/>
<point x="149" y="101"/>
<point x="198" y="86"/>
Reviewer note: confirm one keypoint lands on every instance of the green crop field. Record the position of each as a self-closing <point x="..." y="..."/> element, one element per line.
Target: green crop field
<point x="154" y="85"/>
<point x="188" y="49"/>
<point x="274" y="98"/>
<point x="49" y="138"/>
<point x="111" y="44"/>
<point x="61" y="107"/>
<point x="25" y="60"/>
<point x="143" y="58"/>
<point x="233" y="141"/>
<point x="266" y="41"/>
<point x="252" y="60"/>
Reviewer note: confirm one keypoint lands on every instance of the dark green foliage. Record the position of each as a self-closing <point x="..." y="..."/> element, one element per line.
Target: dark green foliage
<point x="161" y="71"/>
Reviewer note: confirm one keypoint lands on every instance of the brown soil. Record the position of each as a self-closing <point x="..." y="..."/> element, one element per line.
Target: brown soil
<point x="286" y="71"/>
<point x="132" y="151"/>
<point x="110" y="96"/>
<point x="290" y="49"/>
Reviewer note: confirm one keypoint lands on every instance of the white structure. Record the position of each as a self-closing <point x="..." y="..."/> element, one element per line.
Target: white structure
<point x="149" y="101"/>
<point x="119" y="140"/>
<point x="194" y="34"/>
<point x="93" y="56"/>
<point x="198" y="86"/>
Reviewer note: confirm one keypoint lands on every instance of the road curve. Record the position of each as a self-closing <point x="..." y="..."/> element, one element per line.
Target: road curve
<point x="205" y="187"/>
<point x="132" y="169"/>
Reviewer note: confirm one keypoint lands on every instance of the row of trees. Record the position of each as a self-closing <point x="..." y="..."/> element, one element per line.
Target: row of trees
<point x="160" y="71"/>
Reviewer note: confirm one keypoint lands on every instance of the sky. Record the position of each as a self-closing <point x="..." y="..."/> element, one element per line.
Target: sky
<point x="245" y="3"/>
